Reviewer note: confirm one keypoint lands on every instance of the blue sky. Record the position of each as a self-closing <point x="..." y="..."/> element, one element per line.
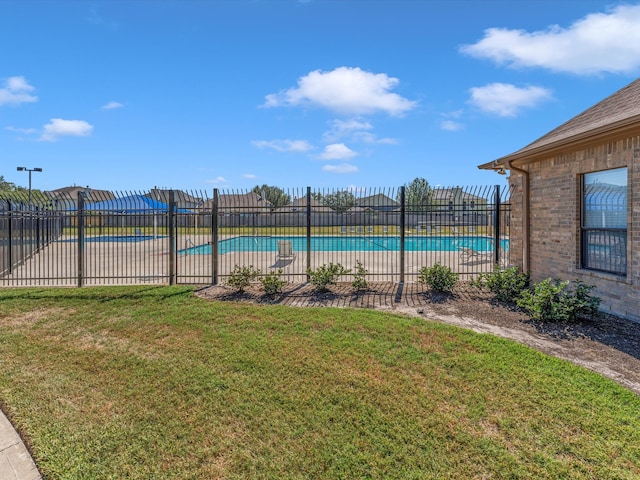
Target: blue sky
<point x="127" y="95"/>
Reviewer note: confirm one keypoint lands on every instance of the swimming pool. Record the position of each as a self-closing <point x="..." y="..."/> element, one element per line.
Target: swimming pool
<point x="349" y="244"/>
<point x="116" y="238"/>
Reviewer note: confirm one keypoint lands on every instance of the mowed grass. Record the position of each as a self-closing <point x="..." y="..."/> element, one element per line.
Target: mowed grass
<point x="153" y="382"/>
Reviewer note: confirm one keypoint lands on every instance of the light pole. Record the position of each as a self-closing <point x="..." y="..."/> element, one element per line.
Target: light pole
<point x="24" y="169"/>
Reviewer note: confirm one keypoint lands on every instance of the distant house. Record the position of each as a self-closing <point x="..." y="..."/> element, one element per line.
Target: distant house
<point x="240" y="204"/>
<point x="449" y="199"/>
<point x="299" y="205"/>
<point x="378" y="202"/>
<point x="576" y="201"/>
<point x="182" y="199"/>
<point x="359" y="210"/>
<point x="66" y="198"/>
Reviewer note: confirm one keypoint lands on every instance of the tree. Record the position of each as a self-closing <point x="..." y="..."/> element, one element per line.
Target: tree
<point x="340" y="201"/>
<point x="274" y="195"/>
<point x="6" y="186"/>
<point x="418" y="196"/>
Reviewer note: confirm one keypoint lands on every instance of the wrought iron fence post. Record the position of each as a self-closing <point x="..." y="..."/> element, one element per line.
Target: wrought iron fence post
<point x="172" y="238"/>
<point x="308" y="232"/>
<point x="80" y="222"/>
<point x="214" y="238"/>
<point x="38" y="219"/>
<point x="10" y="234"/>
<point x="496" y="228"/>
<point x="402" y="225"/>
<point x="22" y="254"/>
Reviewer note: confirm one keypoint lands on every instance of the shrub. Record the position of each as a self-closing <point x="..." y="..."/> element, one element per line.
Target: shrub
<point x="552" y="301"/>
<point x="241" y="277"/>
<point x="583" y="303"/>
<point x="359" y="278"/>
<point x="272" y="283"/>
<point x="507" y="285"/>
<point x="439" y="277"/>
<point x="326" y="275"/>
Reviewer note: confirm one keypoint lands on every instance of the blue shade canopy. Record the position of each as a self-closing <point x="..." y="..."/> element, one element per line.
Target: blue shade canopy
<point x="130" y="204"/>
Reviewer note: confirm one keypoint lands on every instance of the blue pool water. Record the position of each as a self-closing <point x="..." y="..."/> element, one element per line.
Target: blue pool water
<point x="350" y="244"/>
<point x="116" y="238"/>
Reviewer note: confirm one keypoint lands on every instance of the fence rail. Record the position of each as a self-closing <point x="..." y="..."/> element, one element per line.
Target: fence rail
<point x="170" y="236"/>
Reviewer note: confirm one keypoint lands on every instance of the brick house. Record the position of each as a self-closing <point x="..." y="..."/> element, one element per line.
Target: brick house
<point x="576" y="204"/>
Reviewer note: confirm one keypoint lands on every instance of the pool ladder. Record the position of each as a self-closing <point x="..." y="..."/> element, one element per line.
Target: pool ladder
<point x="188" y="242"/>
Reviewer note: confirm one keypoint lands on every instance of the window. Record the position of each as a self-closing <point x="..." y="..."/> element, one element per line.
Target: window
<point x="604" y="221"/>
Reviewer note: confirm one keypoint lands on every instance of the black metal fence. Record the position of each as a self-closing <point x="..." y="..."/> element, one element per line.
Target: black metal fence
<point x="23" y="232"/>
<point x="169" y="236"/>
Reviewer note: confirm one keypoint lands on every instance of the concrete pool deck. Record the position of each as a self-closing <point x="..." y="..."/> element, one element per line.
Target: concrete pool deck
<point x="147" y="262"/>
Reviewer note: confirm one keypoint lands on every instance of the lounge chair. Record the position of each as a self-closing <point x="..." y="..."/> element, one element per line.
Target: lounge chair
<point x="285" y="250"/>
<point x="343" y="229"/>
<point x="359" y="229"/>
<point x="469" y="254"/>
<point x="369" y="229"/>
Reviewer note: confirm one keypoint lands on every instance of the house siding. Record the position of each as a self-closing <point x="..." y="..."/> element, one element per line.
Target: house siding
<point x="554" y="220"/>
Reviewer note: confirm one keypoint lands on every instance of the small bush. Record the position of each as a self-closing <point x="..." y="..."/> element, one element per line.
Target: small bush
<point x="507" y="285"/>
<point x="360" y="278"/>
<point x="241" y="277"/>
<point x="552" y="301"/>
<point x="272" y="283"/>
<point x="439" y="277"/>
<point x="326" y="275"/>
<point x="586" y="304"/>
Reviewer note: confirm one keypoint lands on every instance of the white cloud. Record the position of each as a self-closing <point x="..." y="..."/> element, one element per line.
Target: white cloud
<point x="16" y="91"/>
<point x="25" y="131"/>
<point x="59" y="127"/>
<point x="342" y="168"/>
<point x="367" y="137"/>
<point x="112" y="106"/>
<point x="345" y="128"/>
<point x="250" y="176"/>
<point x="337" y="151"/>
<point x="217" y="181"/>
<point x="506" y="100"/>
<point x="354" y="130"/>
<point x="451" y="126"/>
<point x="344" y="90"/>
<point x="96" y="19"/>
<point x="453" y="114"/>
<point x="297" y="146"/>
<point x="599" y="42"/>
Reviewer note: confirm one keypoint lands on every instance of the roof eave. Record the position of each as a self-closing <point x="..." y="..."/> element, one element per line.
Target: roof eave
<point x="533" y="154"/>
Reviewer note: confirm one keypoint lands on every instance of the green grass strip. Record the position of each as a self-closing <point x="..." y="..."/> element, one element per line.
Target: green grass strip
<point x="153" y="382"/>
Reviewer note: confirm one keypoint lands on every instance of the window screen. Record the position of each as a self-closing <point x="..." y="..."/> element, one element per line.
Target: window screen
<point x="604" y="221"/>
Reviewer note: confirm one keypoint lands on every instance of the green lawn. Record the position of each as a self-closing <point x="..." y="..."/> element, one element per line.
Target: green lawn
<point x="153" y="382"/>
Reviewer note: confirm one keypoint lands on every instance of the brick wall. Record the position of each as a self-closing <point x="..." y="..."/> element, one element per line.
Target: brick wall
<point x="555" y="221"/>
